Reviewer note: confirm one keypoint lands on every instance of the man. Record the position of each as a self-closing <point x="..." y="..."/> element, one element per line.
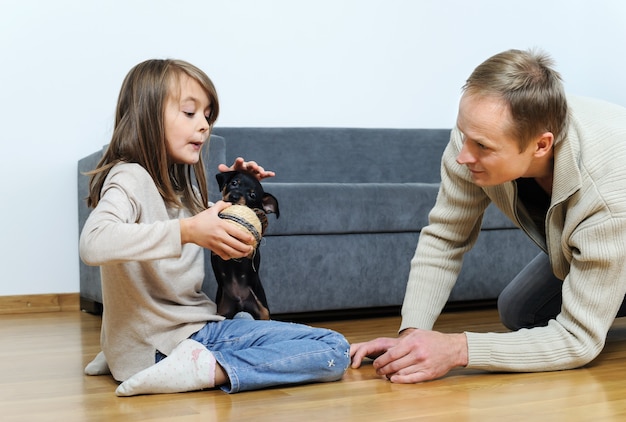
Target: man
<point x="556" y="167"/>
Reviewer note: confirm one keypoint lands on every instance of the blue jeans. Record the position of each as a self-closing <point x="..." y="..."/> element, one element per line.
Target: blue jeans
<point x="259" y="354"/>
<point x="534" y="297"/>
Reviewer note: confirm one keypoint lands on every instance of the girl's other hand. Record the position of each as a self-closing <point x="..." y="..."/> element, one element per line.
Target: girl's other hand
<point x="208" y="230"/>
<point x="248" y="166"/>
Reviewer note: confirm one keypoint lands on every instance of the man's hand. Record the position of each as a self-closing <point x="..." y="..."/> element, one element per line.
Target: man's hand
<point x="416" y="356"/>
<point x="248" y="166"/>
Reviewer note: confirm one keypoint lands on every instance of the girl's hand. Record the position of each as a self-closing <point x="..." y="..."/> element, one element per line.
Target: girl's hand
<point x="248" y="166"/>
<point x="208" y="230"/>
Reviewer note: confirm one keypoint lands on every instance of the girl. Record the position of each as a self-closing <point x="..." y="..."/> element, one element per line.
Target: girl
<point x="160" y="332"/>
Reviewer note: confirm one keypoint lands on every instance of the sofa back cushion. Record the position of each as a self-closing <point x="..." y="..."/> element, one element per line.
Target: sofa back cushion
<point x="340" y="155"/>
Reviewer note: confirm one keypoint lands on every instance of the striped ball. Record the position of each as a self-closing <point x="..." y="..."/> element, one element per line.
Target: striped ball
<point x="245" y="219"/>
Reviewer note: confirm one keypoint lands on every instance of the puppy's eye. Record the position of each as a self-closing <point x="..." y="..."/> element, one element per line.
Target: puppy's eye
<point x="252" y="195"/>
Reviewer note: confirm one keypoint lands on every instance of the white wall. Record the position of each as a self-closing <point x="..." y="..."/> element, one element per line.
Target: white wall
<point x="353" y="63"/>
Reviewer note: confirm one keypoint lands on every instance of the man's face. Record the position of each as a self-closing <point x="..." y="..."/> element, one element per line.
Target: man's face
<point x="489" y="151"/>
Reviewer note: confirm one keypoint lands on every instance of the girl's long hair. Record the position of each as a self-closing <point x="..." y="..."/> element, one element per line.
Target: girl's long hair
<point x="139" y="133"/>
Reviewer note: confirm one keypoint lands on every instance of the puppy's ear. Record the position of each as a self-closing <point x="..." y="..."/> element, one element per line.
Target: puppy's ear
<point x="224" y="178"/>
<point x="270" y="204"/>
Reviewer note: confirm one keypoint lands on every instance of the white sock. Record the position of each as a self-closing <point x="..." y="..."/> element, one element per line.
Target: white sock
<point x="189" y="367"/>
<point x="98" y="366"/>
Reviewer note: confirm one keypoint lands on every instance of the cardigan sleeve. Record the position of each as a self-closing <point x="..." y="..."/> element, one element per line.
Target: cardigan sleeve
<point x="454" y="226"/>
<point x="130" y="222"/>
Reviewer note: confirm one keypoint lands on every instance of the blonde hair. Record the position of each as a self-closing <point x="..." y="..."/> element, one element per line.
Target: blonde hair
<point x="139" y="133"/>
<point x="533" y="91"/>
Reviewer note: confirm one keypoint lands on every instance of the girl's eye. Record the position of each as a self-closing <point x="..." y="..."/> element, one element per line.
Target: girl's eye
<point x="189" y="113"/>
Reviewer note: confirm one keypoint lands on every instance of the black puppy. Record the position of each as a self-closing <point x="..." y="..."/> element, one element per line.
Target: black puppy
<point x="238" y="284"/>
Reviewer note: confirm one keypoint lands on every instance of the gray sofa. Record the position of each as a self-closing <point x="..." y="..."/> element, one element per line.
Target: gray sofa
<point x="352" y="203"/>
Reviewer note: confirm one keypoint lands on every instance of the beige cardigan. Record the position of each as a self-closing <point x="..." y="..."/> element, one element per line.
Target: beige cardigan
<point x="586" y="242"/>
<point x="151" y="285"/>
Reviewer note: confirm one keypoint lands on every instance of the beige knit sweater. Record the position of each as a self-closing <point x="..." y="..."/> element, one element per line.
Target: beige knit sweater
<point x="586" y="242"/>
<point x="151" y="285"/>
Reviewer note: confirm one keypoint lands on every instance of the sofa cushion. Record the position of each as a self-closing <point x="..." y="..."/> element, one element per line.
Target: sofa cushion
<point x="337" y="208"/>
<point x="342" y="208"/>
<point x="341" y="155"/>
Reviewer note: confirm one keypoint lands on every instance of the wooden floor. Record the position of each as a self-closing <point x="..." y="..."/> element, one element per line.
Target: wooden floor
<point x="43" y="355"/>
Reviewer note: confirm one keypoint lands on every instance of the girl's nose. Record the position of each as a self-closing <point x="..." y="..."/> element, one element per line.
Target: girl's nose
<point x="204" y="126"/>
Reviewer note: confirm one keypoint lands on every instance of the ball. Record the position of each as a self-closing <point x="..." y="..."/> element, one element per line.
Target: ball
<point x="245" y="219"/>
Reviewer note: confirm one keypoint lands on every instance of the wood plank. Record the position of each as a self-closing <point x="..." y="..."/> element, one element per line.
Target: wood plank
<point x="43" y="355"/>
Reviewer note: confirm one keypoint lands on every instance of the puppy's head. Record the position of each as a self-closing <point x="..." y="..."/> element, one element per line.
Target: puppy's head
<point x="243" y="188"/>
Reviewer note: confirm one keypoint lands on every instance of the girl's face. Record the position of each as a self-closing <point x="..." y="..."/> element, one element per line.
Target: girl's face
<point x="186" y="124"/>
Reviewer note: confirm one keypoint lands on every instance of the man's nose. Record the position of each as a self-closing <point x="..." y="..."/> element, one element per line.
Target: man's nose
<point x="465" y="156"/>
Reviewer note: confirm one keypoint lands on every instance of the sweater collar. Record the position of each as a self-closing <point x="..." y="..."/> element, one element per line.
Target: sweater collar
<point x="567" y="176"/>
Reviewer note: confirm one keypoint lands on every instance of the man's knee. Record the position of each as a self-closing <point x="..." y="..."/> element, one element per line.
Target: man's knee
<point x="509" y="318"/>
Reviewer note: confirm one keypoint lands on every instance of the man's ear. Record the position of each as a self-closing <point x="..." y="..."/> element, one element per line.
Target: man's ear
<point x="544" y="144"/>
